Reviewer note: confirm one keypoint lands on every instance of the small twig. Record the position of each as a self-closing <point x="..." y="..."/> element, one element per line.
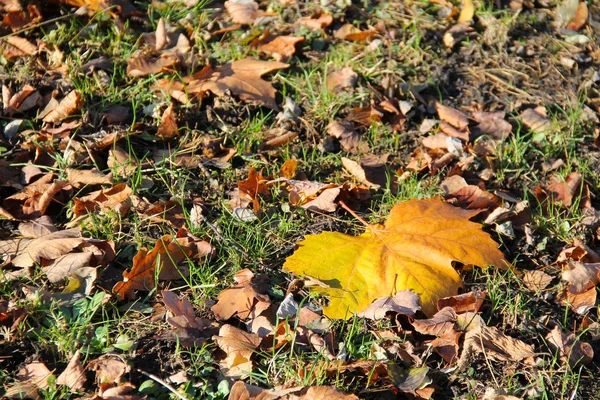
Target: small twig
<point x="355" y="215"/>
<point x="37" y="25"/>
<point x="165" y="384"/>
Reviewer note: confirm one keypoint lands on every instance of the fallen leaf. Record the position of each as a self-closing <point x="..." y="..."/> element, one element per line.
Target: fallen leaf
<point x="452" y="116"/>
<point x="16" y="46"/>
<point x="581" y="302"/>
<point x="117" y="198"/>
<point x="342" y="79"/>
<point x="461" y="303"/>
<point x="536" y="280"/>
<point x="468" y="11"/>
<point x="276" y="138"/>
<point x="35" y="373"/>
<point x="48" y="247"/>
<point x="243" y="12"/>
<point x="372" y="172"/>
<point x="582" y="276"/>
<point x="67" y="264"/>
<point x="325" y="201"/>
<point x="282" y="47"/>
<point x="246" y="297"/>
<point x="580" y="18"/>
<point x="350" y="32"/>
<point x="143" y="65"/>
<point x="316" y="21"/>
<point x="239" y="347"/>
<point x="168" y="124"/>
<point x="491" y="124"/>
<point x="242" y="78"/>
<point x="414" y="250"/>
<point x="65" y="108"/>
<point x="405" y="302"/>
<point x="570" y="348"/>
<point x="164" y="261"/>
<point x="189" y="329"/>
<point x="109" y="369"/>
<point x="535" y="119"/>
<point x="83" y="177"/>
<point x="37" y="228"/>
<point x="494" y="344"/>
<point x="74" y="375"/>
<point x="561" y="191"/>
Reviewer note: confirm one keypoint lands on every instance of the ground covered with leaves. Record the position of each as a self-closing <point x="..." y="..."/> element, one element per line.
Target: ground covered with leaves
<point x="296" y="200"/>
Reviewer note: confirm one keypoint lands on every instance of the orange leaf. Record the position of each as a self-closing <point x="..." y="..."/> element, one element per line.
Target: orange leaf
<point x="166" y="257"/>
<point x="413" y="250"/>
<point x="67" y="106"/>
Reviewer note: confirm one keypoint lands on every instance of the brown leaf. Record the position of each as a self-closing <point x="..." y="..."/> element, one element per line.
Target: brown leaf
<point x="66" y="265"/>
<point x="247" y="297"/>
<point x="109" y="369"/>
<point x="252" y="188"/>
<point x="405" y="302"/>
<point x="166" y="257"/>
<point x="558" y="191"/>
<point x="276" y="138"/>
<point x="452" y="116"/>
<point x="121" y="162"/>
<point x="344" y="78"/>
<point x="472" y="197"/>
<point x="580" y="18"/>
<point x="239" y="347"/>
<point x="494" y="344"/>
<point x="581" y="302"/>
<point x="49" y="247"/>
<point x="117" y="198"/>
<point x="16" y="46"/>
<point x="570" y="348"/>
<point x="349" y="137"/>
<point x="441" y="324"/>
<point x="189" y="329"/>
<point x="168" y="124"/>
<point x="282" y="47"/>
<point x="316" y="21"/>
<point x="535" y="119"/>
<point x="466" y="302"/>
<point x="69" y="105"/>
<point x="491" y="124"/>
<point x="143" y="65"/>
<point x="536" y="280"/>
<point x="288" y="169"/>
<point x="38" y="228"/>
<point x="372" y="171"/>
<point x="350" y="32"/>
<point x="35" y="373"/>
<point x="83" y="177"/>
<point x="582" y="276"/>
<point x="74" y="375"/>
<point x="243" y="12"/>
<point x="324" y="202"/>
<point x="242" y="78"/>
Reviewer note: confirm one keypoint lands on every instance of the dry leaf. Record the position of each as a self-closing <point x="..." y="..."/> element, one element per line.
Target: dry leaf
<point x="582" y="276"/>
<point x="570" y="348"/>
<point x="49" y="247"/>
<point x="580" y="18"/>
<point x="242" y="78"/>
<point x="344" y="78"/>
<point x="581" y="302"/>
<point x="67" y="106"/>
<point x="243" y="12"/>
<point x="558" y="191"/>
<point x="246" y="297"/>
<point x="536" y="280"/>
<point x="74" y="375"/>
<point x="316" y="21"/>
<point x="143" y="65"/>
<point x="108" y="369"/>
<point x="35" y="373"/>
<point x="189" y="329"/>
<point x="350" y="32"/>
<point x="535" y="119"/>
<point x="168" y="124"/>
<point x="16" y="46"/>
<point x="117" y="198"/>
<point x="164" y="260"/>
<point x="346" y="133"/>
<point x="38" y="228"/>
<point x="491" y="124"/>
<point x="461" y="303"/>
<point x="405" y="302"/>
<point x="282" y="47"/>
<point x="239" y="346"/>
<point x="414" y="250"/>
<point x="452" y="116"/>
<point x="66" y="265"/>
<point x="83" y="177"/>
<point x="468" y="11"/>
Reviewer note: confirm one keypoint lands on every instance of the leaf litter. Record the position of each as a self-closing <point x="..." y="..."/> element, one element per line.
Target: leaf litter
<point x="102" y="162"/>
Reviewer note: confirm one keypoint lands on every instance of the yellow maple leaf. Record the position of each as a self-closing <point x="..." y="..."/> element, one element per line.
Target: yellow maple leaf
<point x="413" y="250"/>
